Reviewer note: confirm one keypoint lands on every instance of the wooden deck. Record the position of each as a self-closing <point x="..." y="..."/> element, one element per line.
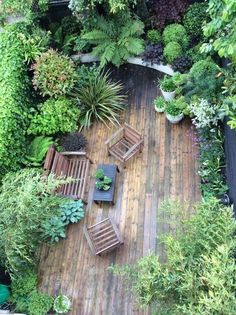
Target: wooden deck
<point x="166" y="168"/>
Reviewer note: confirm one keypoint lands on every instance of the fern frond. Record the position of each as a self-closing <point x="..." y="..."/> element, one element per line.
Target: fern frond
<point x="95" y="36"/>
<point x="132" y="28"/>
<point x="135" y="46"/>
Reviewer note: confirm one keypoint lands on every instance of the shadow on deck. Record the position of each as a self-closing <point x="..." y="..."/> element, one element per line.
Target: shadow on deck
<point x="166" y="168"/>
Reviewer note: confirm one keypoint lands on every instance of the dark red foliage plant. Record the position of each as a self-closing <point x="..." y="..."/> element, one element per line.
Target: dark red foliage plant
<point x="166" y="11"/>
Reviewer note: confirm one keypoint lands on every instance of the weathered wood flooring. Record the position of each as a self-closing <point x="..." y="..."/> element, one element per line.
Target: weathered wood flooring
<point x="166" y="168"/>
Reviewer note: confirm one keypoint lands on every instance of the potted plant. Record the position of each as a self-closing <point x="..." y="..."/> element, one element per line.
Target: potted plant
<point x="103" y="182"/>
<point x="159" y="104"/>
<point x="174" y="113"/>
<point x="61" y="304"/>
<point x="167" y="87"/>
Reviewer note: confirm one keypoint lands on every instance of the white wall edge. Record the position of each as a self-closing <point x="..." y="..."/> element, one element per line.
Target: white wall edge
<point x="85" y="58"/>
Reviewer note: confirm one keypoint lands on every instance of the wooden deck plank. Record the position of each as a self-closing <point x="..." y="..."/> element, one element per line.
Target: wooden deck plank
<point x="166" y="168"/>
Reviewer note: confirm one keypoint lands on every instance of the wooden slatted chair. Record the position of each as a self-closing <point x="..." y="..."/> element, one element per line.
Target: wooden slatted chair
<point x="103" y="237"/>
<point x="125" y="143"/>
<point x="69" y="164"/>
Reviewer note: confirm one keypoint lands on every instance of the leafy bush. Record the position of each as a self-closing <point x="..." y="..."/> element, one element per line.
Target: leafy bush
<point x="62" y="304"/>
<point x="182" y="64"/>
<point x="175" y="33"/>
<point x="55" y="227"/>
<point x="198" y="276"/>
<point x="100" y="100"/>
<point x="174" y="108"/>
<point x="167" y="11"/>
<point x="23" y="7"/>
<point x="37" y="150"/>
<point x="116" y="39"/>
<point x="54" y="115"/>
<point x="27" y="200"/>
<point x="39" y="303"/>
<point x="194" y="18"/>
<point x="54" y="74"/>
<point x="153" y="53"/>
<point x="172" y="51"/>
<point x="74" y="142"/>
<point x="154" y="36"/>
<point x="14" y="101"/>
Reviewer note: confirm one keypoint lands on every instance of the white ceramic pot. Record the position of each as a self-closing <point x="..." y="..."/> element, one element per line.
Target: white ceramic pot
<point x="168" y="96"/>
<point x="159" y="110"/>
<point x="174" y="119"/>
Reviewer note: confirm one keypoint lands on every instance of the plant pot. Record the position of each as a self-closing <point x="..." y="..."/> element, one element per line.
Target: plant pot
<point x="168" y="96"/>
<point x="159" y="109"/>
<point x="174" y="119"/>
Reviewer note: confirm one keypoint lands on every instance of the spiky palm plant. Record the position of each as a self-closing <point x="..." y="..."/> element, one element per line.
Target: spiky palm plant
<point x="100" y="99"/>
<point x="116" y="39"/>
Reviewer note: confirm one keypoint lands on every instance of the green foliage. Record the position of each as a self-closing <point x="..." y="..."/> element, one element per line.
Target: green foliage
<point x="159" y="102"/>
<point x="116" y="39"/>
<point x="72" y="211"/>
<point x="199" y="274"/>
<point x="172" y="51"/>
<point x="167" y="84"/>
<point x="53" y="116"/>
<point x="211" y="161"/>
<point x="175" y="107"/>
<point x="103" y="182"/>
<point x="62" y="304"/>
<point x="175" y="33"/>
<point x="39" y="303"/>
<point x="221" y="30"/>
<point x="14" y="101"/>
<point x="55" y="227"/>
<point x="54" y="74"/>
<point x="154" y="36"/>
<point x="37" y="150"/>
<point x="194" y="18"/>
<point x="100" y="99"/>
<point x="27" y="200"/>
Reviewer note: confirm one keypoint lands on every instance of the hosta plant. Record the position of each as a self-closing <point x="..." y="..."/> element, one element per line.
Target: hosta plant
<point x="72" y="211"/>
<point x="54" y="74"/>
<point x="99" y="100"/>
<point x="116" y="39"/>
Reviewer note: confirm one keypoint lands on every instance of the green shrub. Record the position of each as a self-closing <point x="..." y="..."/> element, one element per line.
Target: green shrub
<point x="39" y="303"/>
<point x="27" y="200"/>
<point x="62" y="304"/>
<point x="167" y="84"/>
<point x="159" y="102"/>
<point x="199" y="274"/>
<point x="72" y="211"/>
<point x="14" y="100"/>
<point x="154" y="36"/>
<point x="100" y="99"/>
<point x="173" y="108"/>
<point x="60" y="115"/>
<point x="175" y="33"/>
<point x="53" y="230"/>
<point x="194" y="18"/>
<point x="172" y="51"/>
<point x="116" y="39"/>
<point x="54" y="74"/>
<point x="24" y="7"/>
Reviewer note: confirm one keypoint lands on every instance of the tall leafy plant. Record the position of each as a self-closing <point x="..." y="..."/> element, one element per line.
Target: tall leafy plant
<point x="199" y="274"/>
<point x="27" y="200"/>
<point x="116" y="39"/>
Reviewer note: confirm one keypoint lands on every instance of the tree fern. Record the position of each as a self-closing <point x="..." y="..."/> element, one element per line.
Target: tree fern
<point x="116" y="39"/>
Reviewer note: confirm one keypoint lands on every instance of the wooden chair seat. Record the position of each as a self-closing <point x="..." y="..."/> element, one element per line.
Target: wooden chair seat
<point x="73" y="165"/>
<point x="103" y="236"/>
<point x="125" y="143"/>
